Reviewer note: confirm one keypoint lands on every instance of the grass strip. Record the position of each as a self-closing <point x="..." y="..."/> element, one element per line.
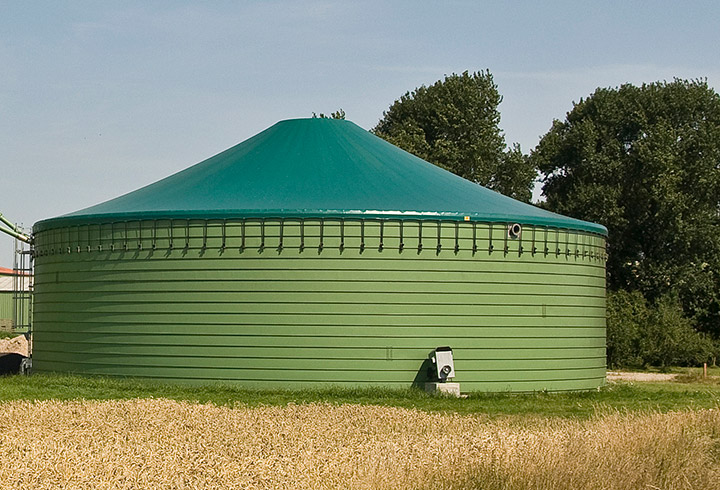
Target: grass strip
<point x="621" y="396"/>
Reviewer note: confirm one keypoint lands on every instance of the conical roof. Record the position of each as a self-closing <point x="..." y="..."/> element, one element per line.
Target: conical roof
<point x="321" y="168"/>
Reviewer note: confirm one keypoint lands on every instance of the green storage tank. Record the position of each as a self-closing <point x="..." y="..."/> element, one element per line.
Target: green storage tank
<point x="316" y="254"/>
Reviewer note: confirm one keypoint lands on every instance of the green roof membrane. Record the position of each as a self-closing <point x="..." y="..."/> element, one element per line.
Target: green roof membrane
<point x="316" y="168"/>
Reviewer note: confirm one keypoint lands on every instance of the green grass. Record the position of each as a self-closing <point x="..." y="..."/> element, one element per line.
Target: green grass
<point x="4" y="334"/>
<point x="712" y="370"/>
<point x="662" y="397"/>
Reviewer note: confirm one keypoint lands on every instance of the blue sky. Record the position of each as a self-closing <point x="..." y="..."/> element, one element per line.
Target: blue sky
<point x="100" y="98"/>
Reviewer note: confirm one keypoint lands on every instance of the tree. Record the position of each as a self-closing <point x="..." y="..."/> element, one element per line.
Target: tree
<point x="645" y="162"/>
<point x="641" y="334"/>
<point x="339" y="114"/>
<point x="454" y="124"/>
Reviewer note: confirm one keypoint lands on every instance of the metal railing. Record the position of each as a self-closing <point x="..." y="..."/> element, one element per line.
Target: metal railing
<point x="23" y="287"/>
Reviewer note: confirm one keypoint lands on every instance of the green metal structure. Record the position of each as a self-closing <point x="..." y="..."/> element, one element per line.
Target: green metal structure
<point x="317" y="254"/>
<point x="6" y="310"/>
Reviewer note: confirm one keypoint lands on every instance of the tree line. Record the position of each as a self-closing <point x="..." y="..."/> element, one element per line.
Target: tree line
<point x="644" y="161"/>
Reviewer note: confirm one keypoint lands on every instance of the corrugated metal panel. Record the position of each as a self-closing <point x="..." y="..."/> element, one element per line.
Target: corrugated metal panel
<point x="6" y="307"/>
<point x="6" y="283"/>
<point x="328" y="303"/>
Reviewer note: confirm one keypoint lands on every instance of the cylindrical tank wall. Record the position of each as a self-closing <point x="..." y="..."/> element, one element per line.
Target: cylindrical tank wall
<point x="288" y="303"/>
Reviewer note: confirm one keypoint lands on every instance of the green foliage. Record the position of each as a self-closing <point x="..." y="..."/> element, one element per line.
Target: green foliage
<point x="627" y="315"/>
<point x="643" y="161"/>
<point x="670" y="339"/>
<point x="454" y="124"/>
<point x="641" y="334"/>
<point x="515" y="175"/>
<point x="339" y="114"/>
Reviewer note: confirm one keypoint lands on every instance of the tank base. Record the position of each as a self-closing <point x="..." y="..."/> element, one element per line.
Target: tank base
<point x="450" y="389"/>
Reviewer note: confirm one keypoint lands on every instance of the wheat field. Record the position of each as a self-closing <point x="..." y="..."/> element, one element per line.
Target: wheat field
<point x="164" y="444"/>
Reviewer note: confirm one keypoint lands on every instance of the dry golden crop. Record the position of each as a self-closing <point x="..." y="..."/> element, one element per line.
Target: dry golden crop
<point x="163" y="444"/>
